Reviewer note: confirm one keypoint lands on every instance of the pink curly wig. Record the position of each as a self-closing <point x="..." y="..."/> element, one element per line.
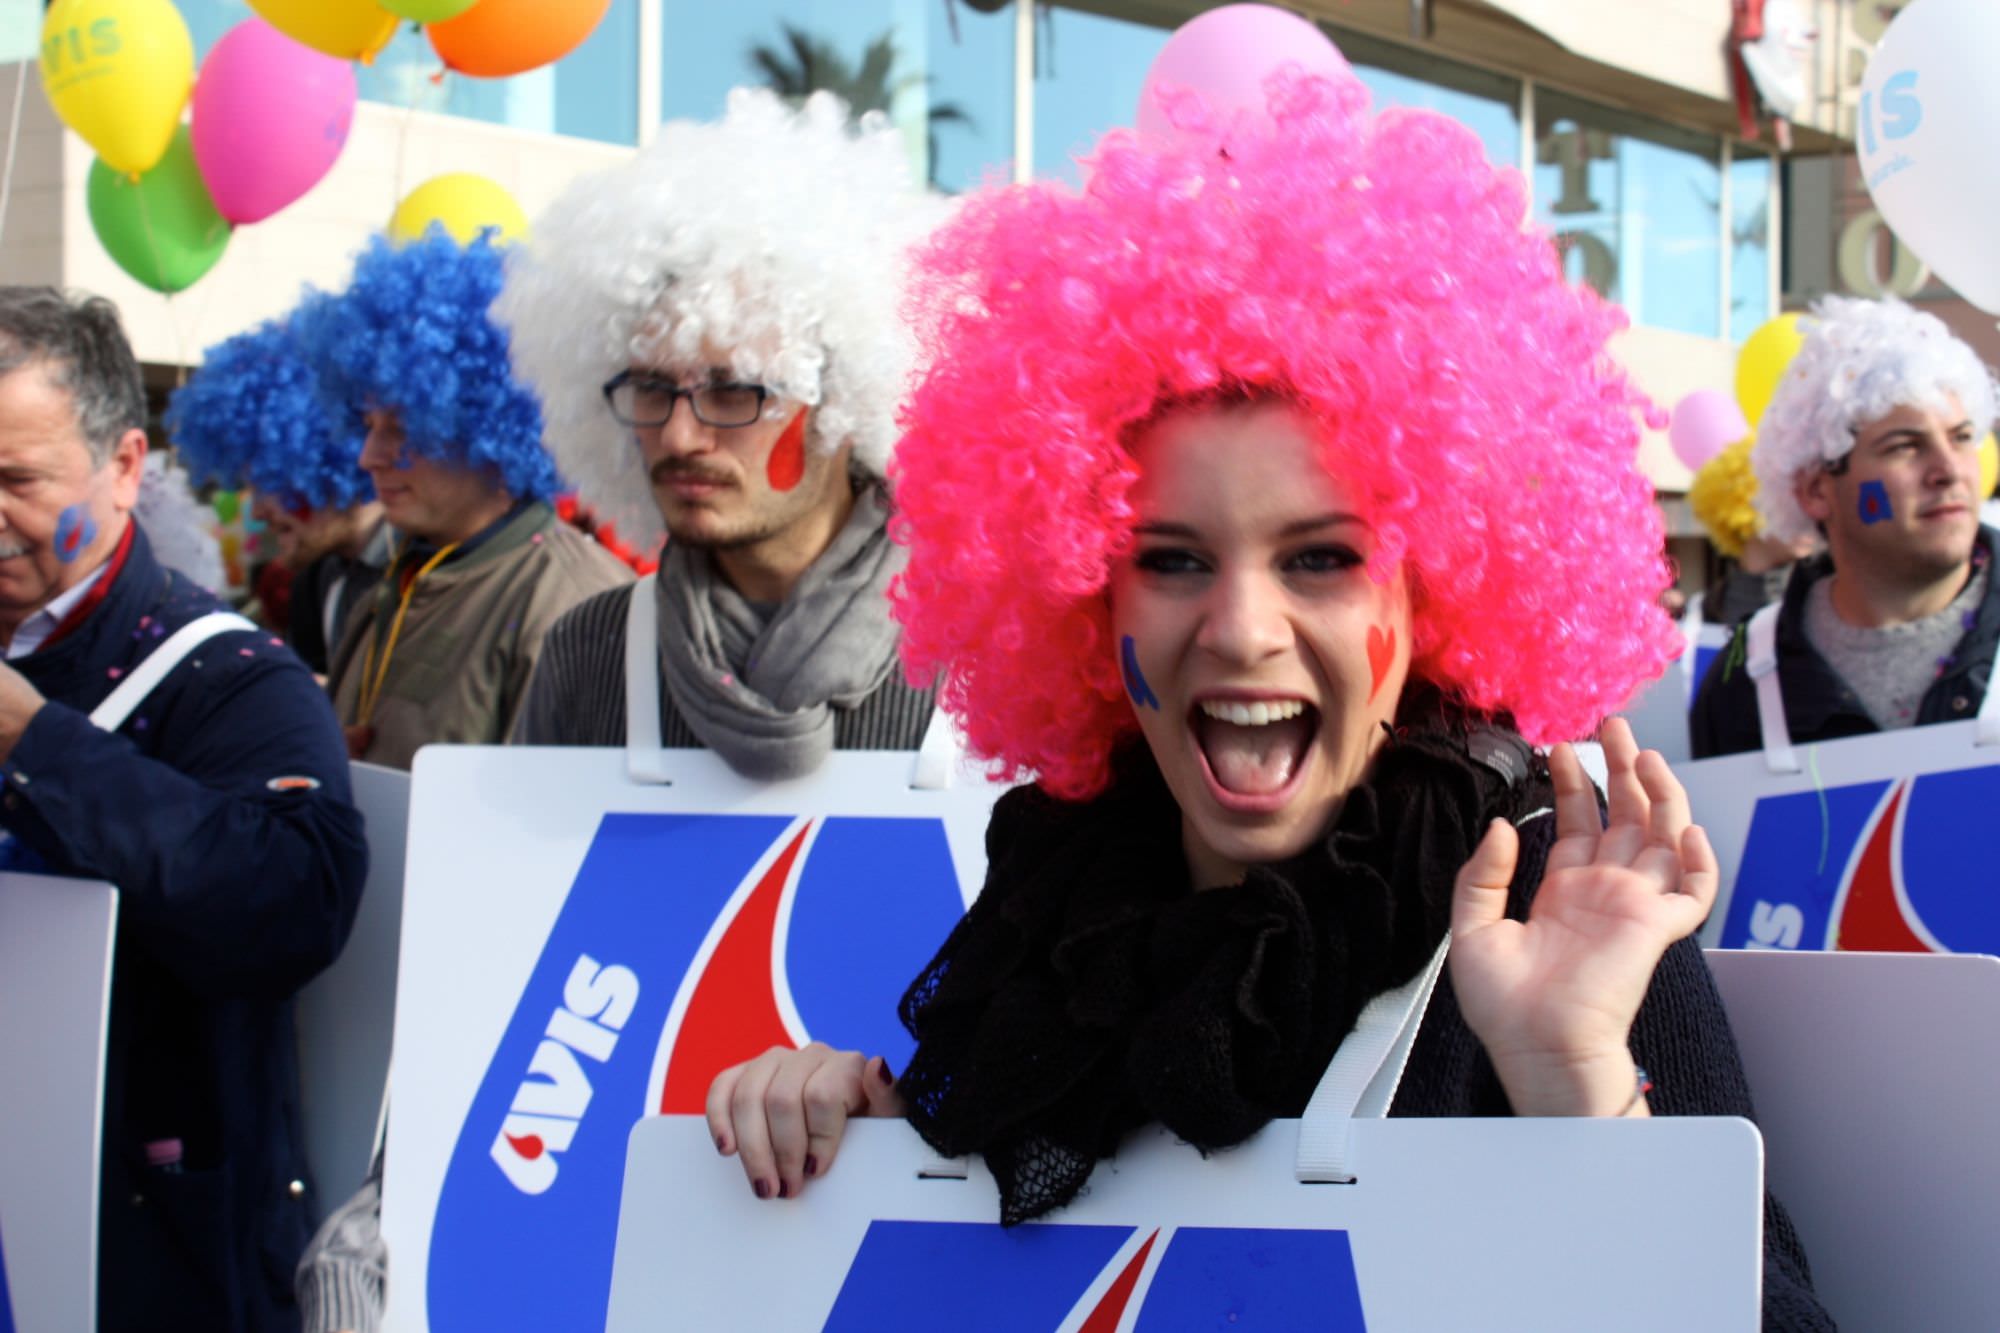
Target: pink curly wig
<point x="1373" y="271"/>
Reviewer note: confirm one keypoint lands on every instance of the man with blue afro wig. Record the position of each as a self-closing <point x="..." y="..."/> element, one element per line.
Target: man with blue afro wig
<point x="408" y="362"/>
<point x="251" y="416"/>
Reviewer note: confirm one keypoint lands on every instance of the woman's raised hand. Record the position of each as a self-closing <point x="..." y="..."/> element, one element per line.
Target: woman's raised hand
<point x="1553" y="998"/>
<point x="783" y="1113"/>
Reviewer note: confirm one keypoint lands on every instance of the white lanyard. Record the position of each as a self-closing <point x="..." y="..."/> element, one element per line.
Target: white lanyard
<point x="1364" y="1075"/>
<point x="146" y="677"/>
<point x="645" y="753"/>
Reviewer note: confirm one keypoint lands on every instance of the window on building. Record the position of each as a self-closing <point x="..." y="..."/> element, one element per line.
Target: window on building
<point x="1750" y="281"/>
<point x="1635" y="206"/>
<point x="1487" y="104"/>
<point x="943" y="70"/>
<point x="592" y="93"/>
<point x="1089" y="65"/>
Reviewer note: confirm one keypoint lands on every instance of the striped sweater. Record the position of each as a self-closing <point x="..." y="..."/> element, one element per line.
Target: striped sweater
<point x="578" y="693"/>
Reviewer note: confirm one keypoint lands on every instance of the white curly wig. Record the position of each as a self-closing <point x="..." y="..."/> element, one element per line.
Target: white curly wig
<point x="1861" y="361"/>
<point x="773" y="235"/>
<point x="180" y="527"/>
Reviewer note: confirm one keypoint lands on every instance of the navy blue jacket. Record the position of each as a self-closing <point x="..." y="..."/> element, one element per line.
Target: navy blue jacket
<point x="235" y="887"/>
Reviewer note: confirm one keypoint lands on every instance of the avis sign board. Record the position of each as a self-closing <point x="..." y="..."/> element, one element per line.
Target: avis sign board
<point x="1449" y="1224"/>
<point x="579" y="951"/>
<point x="1880" y="843"/>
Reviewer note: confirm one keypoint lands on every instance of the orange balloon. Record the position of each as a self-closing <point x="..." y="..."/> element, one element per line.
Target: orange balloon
<point x="498" y="38"/>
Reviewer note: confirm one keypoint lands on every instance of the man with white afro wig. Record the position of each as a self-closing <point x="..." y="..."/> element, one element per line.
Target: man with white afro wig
<point x="1871" y="440"/>
<point x="715" y="323"/>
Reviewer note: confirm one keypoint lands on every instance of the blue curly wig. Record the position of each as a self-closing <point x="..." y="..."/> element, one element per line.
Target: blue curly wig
<point x="251" y="414"/>
<point x="411" y="334"/>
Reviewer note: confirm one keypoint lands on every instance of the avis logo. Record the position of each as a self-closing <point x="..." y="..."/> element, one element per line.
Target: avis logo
<point x="732" y="933"/>
<point x="1040" y="1278"/>
<point x="550" y="1102"/>
<point x="1897" y="865"/>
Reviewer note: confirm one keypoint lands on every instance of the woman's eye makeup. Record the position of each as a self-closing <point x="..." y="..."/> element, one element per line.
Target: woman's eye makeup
<point x="1324" y="559"/>
<point x="1169" y="560"/>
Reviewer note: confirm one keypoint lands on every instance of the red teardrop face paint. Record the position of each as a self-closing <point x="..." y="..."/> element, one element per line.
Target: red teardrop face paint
<point x="787" y="465"/>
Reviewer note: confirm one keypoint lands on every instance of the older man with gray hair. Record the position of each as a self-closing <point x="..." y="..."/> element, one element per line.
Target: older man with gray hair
<point x="1872" y="441"/>
<point x="153" y="740"/>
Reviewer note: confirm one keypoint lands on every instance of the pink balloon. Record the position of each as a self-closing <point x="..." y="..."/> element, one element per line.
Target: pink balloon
<point x="1705" y="423"/>
<point x="1222" y="58"/>
<point x="270" y="117"/>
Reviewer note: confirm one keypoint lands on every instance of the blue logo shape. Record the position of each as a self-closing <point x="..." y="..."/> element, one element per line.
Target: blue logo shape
<point x="75" y="531"/>
<point x="1875" y="503"/>
<point x="1135" y="680"/>
<point x="527" y="1219"/>
<point x="6" y="1302"/>
<point x="983" y="1278"/>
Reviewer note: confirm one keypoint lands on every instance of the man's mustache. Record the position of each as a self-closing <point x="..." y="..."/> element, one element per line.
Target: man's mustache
<point x="674" y="469"/>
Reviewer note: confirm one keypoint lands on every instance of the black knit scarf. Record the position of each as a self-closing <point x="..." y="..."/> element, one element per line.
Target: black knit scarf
<point x="1091" y="990"/>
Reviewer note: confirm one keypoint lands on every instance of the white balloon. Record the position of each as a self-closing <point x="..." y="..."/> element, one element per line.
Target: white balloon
<point x="1929" y="118"/>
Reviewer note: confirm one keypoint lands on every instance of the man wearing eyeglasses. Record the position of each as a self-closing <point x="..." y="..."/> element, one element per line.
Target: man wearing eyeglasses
<point x="744" y="376"/>
<point x="712" y="328"/>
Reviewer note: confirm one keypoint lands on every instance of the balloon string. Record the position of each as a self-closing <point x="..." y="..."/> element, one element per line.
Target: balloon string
<point x="13" y="139"/>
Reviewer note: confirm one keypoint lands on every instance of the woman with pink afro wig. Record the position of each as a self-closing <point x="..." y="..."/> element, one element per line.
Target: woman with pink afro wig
<point x="1376" y="275"/>
<point x="1265" y="499"/>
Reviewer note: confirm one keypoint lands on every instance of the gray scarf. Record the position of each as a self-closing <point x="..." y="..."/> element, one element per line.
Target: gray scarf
<point x="761" y="692"/>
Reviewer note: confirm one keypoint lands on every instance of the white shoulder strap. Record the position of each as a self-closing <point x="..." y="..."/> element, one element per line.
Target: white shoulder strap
<point x="645" y="756"/>
<point x="1362" y="1080"/>
<point x="1762" y="663"/>
<point x="1987" y="731"/>
<point x="146" y="677"/>
<point x="937" y="756"/>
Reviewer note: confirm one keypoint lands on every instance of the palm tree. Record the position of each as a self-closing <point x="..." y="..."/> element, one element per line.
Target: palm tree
<point x="812" y="64"/>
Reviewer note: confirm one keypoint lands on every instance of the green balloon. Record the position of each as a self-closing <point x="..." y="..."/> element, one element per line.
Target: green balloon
<point x="427" y="11"/>
<point x="163" y="228"/>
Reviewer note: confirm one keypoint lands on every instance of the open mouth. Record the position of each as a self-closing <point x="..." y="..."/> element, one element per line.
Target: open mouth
<point x="1253" y="751"/>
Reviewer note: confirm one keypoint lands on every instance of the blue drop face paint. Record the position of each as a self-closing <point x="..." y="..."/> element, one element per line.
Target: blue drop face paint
<point x="1875" y="502"/>
<point x="1135" y="680"/>
<point x="75" y="531"/>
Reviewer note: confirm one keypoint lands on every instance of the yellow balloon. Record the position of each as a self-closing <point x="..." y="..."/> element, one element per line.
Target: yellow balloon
<point x="1761" y="363"/>
<point x="349" y="29"/>
<point x="464" y="204"/>
<point x="118" y="72"/>
<point x="1989" y="466"/>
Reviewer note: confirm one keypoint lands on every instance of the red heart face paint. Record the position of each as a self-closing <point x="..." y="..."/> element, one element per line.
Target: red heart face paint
<point x="1381" y="656"/>
<point x="787" y="465"/>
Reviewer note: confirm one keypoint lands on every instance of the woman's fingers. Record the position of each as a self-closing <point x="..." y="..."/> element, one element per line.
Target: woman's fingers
<point x="1480" y="898"/>
<point x="1577" y="822"/>
<point x="720" y="1125"/>
<point x="748" y="1125"/>
<point x="878" y="1083"/>
<point x="834" y="1092"/>
<point x="788" y="1116"/>
<point x="1623" y="791"/>
<point x="1669" y="816"/>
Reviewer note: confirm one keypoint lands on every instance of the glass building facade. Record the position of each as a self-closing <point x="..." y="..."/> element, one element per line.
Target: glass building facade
<point x="1673" y="224"/>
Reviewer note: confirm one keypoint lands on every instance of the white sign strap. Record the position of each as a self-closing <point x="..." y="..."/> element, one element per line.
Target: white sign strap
<point x="119" y="704"/>
<point x="1763" y="667"/>
<point x="645" y="756"/>
<point x="1987" y="732"/>
<point x="1362" y="1080"/>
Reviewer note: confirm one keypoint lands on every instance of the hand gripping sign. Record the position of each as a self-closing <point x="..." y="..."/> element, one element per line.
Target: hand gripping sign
<point x="579" y="951"/>
<point x="55" y="998"/>
<point x="1342" y="1221"/>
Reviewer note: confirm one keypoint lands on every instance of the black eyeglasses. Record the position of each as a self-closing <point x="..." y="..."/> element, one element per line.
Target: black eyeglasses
<point x="645" y="402"/>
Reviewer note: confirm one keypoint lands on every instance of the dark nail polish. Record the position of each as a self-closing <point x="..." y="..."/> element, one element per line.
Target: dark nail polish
<point x="812" y="1166"/>
<point x="762" y="1189"/>
<point x="882" y="1072"/>
<point x="722" y="1145"/>
<point x="784" y="1190"/>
